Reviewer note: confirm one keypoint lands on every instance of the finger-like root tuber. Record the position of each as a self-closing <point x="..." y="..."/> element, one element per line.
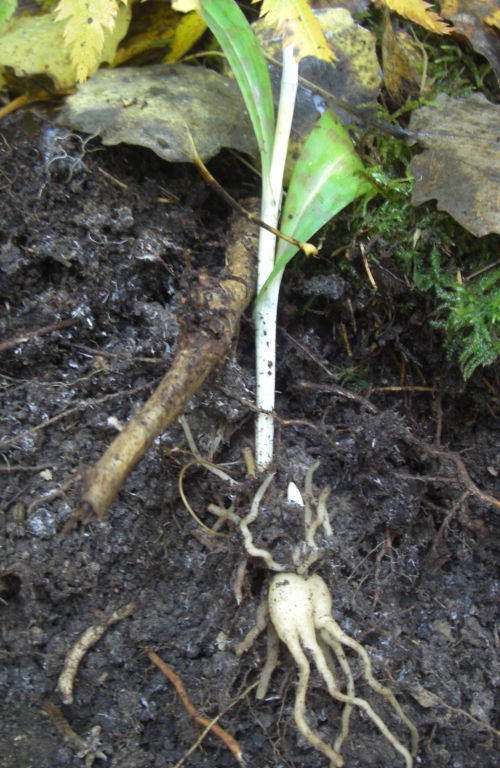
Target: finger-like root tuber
<point x="300" y="613"/>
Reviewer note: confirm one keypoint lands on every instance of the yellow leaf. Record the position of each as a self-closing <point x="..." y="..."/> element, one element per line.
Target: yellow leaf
<point x="156" y="25"/>
<point x="189" y="29"/>
<point x="418" y="11"/>
<point x="472" y="11"/>
<point x="88" y="23"/>
<point x="473" y="19"/>
<point x="34" y="45"/>
<point x="493" y="18"/>
<point x="297" y="23"/>
<point x="398" y="76"/>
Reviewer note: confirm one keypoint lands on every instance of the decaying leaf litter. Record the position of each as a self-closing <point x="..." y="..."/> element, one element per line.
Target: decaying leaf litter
<point x="397" y="435"/>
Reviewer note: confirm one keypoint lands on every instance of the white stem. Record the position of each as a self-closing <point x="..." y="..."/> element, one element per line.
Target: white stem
<point x="267" y="305"/>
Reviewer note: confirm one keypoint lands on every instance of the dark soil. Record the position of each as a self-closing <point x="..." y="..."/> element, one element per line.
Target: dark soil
<point x="413" y="564"/>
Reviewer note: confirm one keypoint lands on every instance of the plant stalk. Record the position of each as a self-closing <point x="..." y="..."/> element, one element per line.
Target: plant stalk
<point x="267" y="304"/>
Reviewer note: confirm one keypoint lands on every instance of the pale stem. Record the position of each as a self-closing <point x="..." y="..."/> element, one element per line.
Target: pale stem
<point x="267" y="305"/>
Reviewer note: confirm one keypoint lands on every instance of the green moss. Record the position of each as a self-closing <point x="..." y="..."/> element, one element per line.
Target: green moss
<point x="441" y="258"/>
<point x="472" y="324"/>
<point x="458" y="272"/>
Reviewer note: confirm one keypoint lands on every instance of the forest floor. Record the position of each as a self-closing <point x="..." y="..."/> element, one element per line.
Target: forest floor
<point x="408" y="450"/>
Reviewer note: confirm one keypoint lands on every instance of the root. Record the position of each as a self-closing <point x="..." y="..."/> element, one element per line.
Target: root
<point x="89" y="638"/>
<point x="206" y="336"/>
<point x="226" y="737"/>
<point x="300" y="613"/>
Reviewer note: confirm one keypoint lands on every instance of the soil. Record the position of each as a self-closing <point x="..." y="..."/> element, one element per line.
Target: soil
<point x="110" y="240"/>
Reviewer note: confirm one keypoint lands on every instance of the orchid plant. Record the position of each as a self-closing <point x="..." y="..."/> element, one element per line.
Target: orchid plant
<point x="325" y="178"/>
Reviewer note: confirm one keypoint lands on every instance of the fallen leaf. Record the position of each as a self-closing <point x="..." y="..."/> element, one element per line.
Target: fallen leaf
<point x="297" y="23"/>
<point x="34" y="45"/>
<point x="418" y="11"/>
<point x="354" y="78"/>
<point x="189" y="30"/>
<point x="87" y="26"/>
<point x="161" y="107"/>
<point x="474" y="20"/>
<point x="155" y="25"/>
<point x="485" y="10"/>
<point x="460" y="167"/>
<point x="398" y="75"/>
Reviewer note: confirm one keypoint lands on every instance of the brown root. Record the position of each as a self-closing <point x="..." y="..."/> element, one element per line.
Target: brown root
<point x="208" y="328"/>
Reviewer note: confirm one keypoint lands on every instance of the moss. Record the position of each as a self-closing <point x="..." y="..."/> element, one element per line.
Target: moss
<point x="458" y="271"/>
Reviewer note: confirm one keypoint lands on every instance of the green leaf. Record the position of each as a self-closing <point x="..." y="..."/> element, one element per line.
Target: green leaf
<point x="245" y="58"/>
<point x="326" y="178"/>
<point x="7" y="8"/>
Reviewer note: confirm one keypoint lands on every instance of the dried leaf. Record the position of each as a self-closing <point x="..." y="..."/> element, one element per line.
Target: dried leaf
<point x="419" y="12"/>
<point x="484" y="10"/>
<point x="87" y="24"/>
<point x="34" y="45"/>
<point x="354" y="78"/>
<point x="189" y="30"/>
<point x="295" y="20"/>
<point x="461" y="165"/>
<point x="161" y="107"/>
<point x="473" y="19"/>
<point x="155" y="25"/>
<point x="398" y="76"/>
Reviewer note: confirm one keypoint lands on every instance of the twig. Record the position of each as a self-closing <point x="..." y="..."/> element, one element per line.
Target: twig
<point x="226" y="737"/>
<point x="405" y="388"/>
<point x="116" y="181"/>
<point x="80" y="648"/>
<point x="95" y="352"/>
<point x="11" y="106"/>
<point x="53" y="494"/>
<point x="202" y="735"/>
<point x="24" y="337"/>
<point x="307" y="248"/>
<point x="463" y="474"/>
<point x="359" y="112"/>
<point x="180" y="483"/>
<point x="428" y="699"/>
<point x="334" y="389"/>
<point x="462" y="470"/>
<point x="308" y="353"/>
<point x="87" y="748"/>
<point x="24" y="467"/>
